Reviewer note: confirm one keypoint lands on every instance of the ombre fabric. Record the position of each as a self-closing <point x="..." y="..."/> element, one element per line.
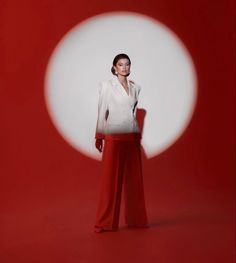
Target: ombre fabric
<point x="121" y="172"/>
<point x="117" y="109"/>
<point x="123" y="136"/>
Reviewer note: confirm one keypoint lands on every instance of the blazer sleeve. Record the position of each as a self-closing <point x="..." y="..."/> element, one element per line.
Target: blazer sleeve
<point x="102" y="110"/>
<point x="138" y="89"/>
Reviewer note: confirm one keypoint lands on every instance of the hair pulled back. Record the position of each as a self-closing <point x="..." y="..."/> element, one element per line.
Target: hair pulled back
<point x="116" y="59"/>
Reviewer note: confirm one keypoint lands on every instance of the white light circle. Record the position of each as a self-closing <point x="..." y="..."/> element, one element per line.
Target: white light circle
<point x="160" y="64"/>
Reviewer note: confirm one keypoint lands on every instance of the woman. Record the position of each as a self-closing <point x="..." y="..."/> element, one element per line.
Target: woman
<point x="121" y="161"/>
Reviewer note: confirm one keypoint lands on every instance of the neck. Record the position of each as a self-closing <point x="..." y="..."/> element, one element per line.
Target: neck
<point x="122" y="79"/>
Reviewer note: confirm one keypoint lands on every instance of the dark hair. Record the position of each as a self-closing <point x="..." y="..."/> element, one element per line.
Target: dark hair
<point x="116" y="59"/>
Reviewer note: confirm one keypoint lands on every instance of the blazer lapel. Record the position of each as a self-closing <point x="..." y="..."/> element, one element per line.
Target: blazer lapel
<point x="119" y="88"/>
<point x="116" y="83"/>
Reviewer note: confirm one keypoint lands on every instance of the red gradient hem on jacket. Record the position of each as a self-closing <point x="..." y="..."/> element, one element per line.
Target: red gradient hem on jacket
<point x="119" y="136"/>
<point x="99" y="135"/>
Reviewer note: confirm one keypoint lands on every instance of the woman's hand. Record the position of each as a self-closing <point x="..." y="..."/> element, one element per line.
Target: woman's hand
<point x="99" y="144"/>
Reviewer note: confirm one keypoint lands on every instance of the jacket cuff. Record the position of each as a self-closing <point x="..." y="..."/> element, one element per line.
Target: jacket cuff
<point x="99" y="135"/>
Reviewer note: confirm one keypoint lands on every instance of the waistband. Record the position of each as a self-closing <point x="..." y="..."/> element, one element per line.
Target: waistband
<point x="123" y="136"/>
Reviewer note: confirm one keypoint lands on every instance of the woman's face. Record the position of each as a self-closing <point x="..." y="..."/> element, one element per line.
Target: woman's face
<point x="122" y="66"/>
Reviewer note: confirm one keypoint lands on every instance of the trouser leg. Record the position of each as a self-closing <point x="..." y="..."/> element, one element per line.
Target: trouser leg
<point x="134" y="200"/>
<point x="113" y="161"/>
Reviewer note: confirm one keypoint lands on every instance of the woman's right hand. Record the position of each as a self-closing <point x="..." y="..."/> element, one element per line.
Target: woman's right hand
<point x="99" y="144"/>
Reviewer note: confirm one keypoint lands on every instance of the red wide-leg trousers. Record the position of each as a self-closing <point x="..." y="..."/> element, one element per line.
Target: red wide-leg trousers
<point x="121" y="166"/>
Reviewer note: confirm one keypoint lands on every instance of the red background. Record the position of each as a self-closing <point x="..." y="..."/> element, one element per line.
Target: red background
<point x="49" y="191"/>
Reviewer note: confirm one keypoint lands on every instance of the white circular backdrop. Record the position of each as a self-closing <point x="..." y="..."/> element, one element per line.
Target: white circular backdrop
<point x="160" y="64"/>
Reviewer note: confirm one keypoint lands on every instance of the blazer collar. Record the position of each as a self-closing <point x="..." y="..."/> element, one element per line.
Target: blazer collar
<point x="115" y="81"/>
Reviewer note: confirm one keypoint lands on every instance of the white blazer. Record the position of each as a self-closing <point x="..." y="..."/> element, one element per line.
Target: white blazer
<point x="116" y="108"/>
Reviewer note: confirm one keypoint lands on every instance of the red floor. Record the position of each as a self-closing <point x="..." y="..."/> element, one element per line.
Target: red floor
<point x="189" y="223"/>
